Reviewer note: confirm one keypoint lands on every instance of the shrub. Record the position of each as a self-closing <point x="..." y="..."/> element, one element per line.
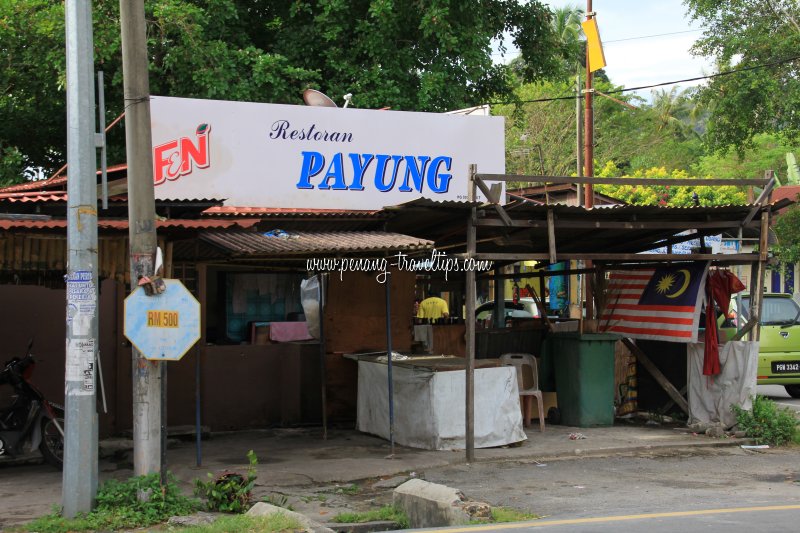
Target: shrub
<point x="229" y="492"/>
<point x="766" y="422"/>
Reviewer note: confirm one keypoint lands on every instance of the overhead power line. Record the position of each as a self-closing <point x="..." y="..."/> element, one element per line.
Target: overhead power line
<point x="649" y="36"/>
<point x="662" y="84"/>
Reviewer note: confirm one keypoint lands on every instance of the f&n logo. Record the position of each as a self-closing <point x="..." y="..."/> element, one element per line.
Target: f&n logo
<point x="179" y="157"/>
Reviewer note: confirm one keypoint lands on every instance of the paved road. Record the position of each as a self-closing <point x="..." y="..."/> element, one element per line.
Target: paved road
<point x="779" y="395"/>
<point x="741" y="519"/>
<point x="723" y="478"/>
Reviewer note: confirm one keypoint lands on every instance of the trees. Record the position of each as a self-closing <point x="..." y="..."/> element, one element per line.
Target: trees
<point x="740" y="34"/>
<point x="429" y="56"/>
<point x="666" y="195"/>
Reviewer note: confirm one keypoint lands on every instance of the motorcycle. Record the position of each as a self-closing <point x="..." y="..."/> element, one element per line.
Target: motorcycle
<point x="31" y="421"/>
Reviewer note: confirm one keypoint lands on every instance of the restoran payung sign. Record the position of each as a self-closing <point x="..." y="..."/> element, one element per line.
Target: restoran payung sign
<point x="271" y="155"/>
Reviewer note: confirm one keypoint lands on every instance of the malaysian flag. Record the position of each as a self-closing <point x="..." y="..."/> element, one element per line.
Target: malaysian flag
<point x="661" y="304"/>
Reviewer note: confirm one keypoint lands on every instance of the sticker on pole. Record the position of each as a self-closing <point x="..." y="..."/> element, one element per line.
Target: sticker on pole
<point x="163" y="327"/>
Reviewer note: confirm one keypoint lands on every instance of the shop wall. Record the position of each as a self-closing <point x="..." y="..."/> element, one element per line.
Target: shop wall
<point x="355" y="321"/>
<point x="38" y="313"/>
<point x="241" y="386"/>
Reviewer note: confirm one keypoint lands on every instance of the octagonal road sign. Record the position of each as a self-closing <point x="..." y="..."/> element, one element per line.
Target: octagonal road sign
<point x="164" y="326"/>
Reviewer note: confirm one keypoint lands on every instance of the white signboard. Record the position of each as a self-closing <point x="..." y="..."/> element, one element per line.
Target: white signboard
<point x="269" y="155"/>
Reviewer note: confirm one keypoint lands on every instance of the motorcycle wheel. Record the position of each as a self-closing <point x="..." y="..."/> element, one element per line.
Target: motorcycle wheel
<point x="52" y="445"/>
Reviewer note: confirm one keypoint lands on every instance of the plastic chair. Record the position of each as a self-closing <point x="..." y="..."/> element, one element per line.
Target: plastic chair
<point x="527" y="374"/>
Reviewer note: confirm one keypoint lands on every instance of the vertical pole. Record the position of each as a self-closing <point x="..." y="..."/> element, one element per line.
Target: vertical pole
<point x="588" y="161"/>
<point x="578" y="137"/>
<point x="322" y="352"/>
<point x="588" y="144"/>
<point x="499" y="299"/>
<point x="197" y="426"/>
<point x="202" y="276"/>
<point x="757" y="298"/>
<point x="388" y="284"/>
<point x="469" y="371"/>
<point x="142" y="231"/>
<point x="79" y="486"/>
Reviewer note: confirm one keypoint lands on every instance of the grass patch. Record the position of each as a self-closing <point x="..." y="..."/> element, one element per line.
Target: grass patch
<point x="118" y="507"/>
<point x="247" y="524"/>
<point x="507" y="514"/>
<point x="350" y="490"/>
<point x="387" y="513"/>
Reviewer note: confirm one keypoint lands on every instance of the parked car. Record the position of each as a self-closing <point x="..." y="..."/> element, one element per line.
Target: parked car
<point x="779" y="347"/>
<point x="525" y="308"/>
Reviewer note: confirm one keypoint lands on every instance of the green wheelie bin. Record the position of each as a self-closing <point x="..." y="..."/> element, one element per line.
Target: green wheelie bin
<point x="584" y="377"/>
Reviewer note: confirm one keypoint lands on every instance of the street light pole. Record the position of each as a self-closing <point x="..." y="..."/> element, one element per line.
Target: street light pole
<point x="79" y="486"/>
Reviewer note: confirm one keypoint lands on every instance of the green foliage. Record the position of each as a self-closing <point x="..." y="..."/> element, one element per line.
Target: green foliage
<point x="247" y="524"/>
<point x="792" y="172"/>
<point x="429" y="56"/>
<point x="278" y="500"/>
<point x="540" y="136"/>
<point x="766" y="422"/>
<point x="119" y="507"/>
<point x="739" y="34"/>
<point x="667" y="195"/>
<point x="768" y="152"/>
<point x="387" y="512"/>
<point x="787" y="229"/>
<point x="229" y="492"/>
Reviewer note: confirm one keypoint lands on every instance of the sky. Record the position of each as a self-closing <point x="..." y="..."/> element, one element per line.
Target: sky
<point x="633" y="61"/>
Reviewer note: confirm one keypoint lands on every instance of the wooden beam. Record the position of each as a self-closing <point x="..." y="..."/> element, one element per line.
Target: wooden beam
<point x="721" y="258"/>
<point x="670" y="389"/>
<point x="538" y="274"/>
<point x="23" y="216"/>
<point x="686" y="182"/>
<point x="762" y="198"/>
<point x="551" y="235"/>
<point x="616" y="224"/>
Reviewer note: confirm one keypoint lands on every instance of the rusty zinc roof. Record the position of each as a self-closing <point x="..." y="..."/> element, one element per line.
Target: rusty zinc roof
<point x="123" y="224"/>
<point x="278" y="242"/>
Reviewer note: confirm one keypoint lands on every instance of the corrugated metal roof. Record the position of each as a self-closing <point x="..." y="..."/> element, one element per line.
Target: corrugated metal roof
<point x="609" y="229"/>
<point x="227" y="210"/>
<point x="251" y="243"/>
<point x="123" y="224"/>
<point x="35" y="197"/>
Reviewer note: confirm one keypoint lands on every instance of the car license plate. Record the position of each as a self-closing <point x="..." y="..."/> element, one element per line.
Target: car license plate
<point x="785" y="367"/>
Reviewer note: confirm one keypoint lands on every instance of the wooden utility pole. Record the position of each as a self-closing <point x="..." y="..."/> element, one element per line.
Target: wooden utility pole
<point x="469" y="370"/>
<point x="588" y="146"/>
<point x="147" y="378"/>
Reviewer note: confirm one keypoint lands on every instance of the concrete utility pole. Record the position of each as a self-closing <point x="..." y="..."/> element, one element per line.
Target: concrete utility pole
<point x="79" y="486"/>
<point x="142" y="232"/>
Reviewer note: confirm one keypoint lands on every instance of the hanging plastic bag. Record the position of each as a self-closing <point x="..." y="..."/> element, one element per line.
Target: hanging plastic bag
<point x="310" y="298"/>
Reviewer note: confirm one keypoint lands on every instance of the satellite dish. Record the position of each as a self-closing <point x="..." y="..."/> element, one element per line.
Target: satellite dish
<point x="318" y="99"/>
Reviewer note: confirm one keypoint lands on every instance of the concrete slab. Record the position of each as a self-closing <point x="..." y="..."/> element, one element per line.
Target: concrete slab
<point x="430" y="504"/>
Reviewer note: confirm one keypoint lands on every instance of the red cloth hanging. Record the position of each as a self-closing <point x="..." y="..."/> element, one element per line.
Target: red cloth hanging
<point x="720" y="285"/>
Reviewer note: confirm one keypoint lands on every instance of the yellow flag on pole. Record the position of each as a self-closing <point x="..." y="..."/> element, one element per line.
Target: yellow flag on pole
<point x="597" y="59"/>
